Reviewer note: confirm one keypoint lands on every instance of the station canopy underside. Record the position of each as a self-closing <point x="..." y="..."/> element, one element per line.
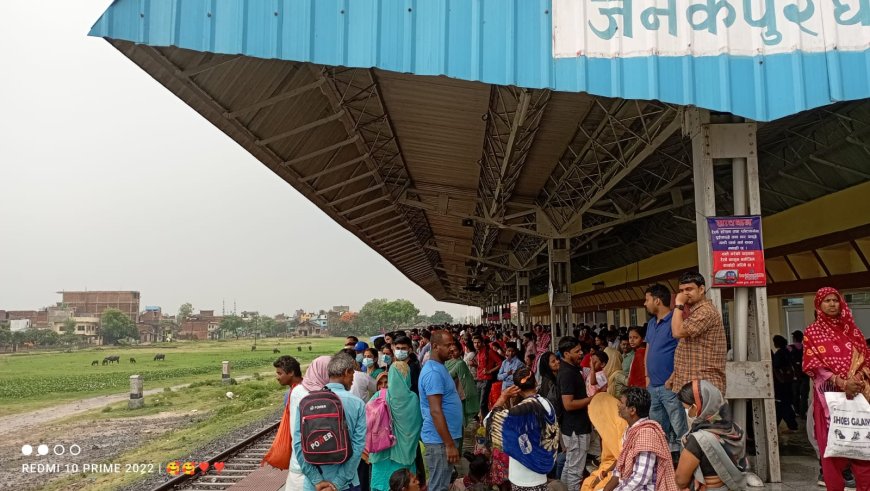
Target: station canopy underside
<point x="459" y="184"/>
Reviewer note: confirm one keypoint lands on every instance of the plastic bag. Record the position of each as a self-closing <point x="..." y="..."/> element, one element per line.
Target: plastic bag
<point x="279" y="455"/>
<point x="849" y="426"/>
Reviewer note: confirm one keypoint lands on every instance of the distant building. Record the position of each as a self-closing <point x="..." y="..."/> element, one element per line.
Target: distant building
<point x="321" y="320"/>
<point x="309" y="328"/>
<point x="17" y="325"/>
<point x="202" y="326"/>
<point x="149" y="325"/>
<point x="94" y="303"/>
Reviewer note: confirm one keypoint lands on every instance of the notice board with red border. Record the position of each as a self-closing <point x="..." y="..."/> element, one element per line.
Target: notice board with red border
<point x="738" y="253"/>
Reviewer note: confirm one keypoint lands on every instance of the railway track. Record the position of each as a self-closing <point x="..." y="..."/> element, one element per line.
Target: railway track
<point x="239" y="460"/>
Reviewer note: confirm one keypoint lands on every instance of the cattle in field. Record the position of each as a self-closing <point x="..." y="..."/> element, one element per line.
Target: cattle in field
<point x="112" y="359"/>
<point x="159" y="357"/>
<point x="95" y="363"/>
<point x="276" y="350"/>
<point x="132" y="360"/>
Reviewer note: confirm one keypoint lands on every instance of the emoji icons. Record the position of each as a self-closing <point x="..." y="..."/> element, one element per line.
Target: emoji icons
<point x="188" y="468"/>
<point x="203" y="466"/>
<point x="172" y="468"/>
<point x="219" y="466"/>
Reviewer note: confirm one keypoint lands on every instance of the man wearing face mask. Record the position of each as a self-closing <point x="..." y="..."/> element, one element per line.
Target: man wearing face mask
<point x="360" y="347"/>
<point x="363" y="385"/>
<point x="337" y="477"/>
<point x="403" y="351"/>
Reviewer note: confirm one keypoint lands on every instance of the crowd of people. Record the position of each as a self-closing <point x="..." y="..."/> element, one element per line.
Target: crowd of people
<point x="640" y="408"/>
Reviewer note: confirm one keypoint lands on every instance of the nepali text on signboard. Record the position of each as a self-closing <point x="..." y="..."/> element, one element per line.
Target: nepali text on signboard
<point x="632" y="28"/>
<point x="738" y="254"/>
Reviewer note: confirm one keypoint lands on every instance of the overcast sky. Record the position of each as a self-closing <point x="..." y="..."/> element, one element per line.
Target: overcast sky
<point x="108" y="181"/>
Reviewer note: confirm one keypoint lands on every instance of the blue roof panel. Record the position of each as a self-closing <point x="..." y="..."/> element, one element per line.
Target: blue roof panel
<point x="505" y="42"/>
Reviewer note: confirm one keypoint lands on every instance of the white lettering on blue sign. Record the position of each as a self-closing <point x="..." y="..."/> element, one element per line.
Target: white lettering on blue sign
<point x="625" y="28"/>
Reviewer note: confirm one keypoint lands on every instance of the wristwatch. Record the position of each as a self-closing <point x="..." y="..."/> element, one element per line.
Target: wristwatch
<point x="680" y="307"/>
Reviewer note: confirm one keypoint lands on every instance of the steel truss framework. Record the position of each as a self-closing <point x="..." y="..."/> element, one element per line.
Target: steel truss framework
<point x="623" y="176"/>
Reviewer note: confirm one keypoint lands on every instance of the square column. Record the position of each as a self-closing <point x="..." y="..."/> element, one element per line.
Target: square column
<point x="523" y="300"/>
<point x="559" y="286"/>
<point x="722" y="141"/>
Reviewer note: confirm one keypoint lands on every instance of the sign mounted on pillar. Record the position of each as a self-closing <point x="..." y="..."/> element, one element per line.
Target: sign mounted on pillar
<point x="738" y="254"/>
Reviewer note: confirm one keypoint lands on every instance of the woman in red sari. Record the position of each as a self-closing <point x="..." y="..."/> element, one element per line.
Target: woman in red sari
<point x="836" y="359"/>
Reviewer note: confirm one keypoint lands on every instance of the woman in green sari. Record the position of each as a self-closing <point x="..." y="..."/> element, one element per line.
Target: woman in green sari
<point x="407" y="423"/>
<point x="465" y="384"/>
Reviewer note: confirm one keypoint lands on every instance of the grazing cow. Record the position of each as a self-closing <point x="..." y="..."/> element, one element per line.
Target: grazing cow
<point x="299" y="348"/>
<point x="95" y="363"/>
<point x="132" y="360"/>
<point x="276" y="350"/>
<point x="253" y="348"/>
<point x="105" y="361"/>
<point x="309" y="348"/>
<point x="113" y="359"/>
<point x="159" y="357"/>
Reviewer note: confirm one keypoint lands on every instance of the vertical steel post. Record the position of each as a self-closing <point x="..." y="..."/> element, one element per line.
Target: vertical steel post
<point x="559" y="260"/>
<point x="740" y="316"/>
<point x="751" y="368"/>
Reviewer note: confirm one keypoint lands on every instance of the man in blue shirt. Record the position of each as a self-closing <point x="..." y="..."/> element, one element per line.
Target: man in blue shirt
<point x="666" y="409"/>
<point x="510" y="365"/>
<point x="442" y="414"/>
<point x="341" y="477"/>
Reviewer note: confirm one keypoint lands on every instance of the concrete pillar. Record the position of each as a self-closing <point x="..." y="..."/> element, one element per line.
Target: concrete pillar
<point x="136" y="397"/>
<point x="735" y="144"/>
<point x="225" y="372"/>
<point x="523" y="299"/>
<point x="559" y="259"/>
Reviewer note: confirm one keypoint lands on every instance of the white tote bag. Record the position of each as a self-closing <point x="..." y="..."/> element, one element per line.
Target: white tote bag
<point x="849" y="431"/>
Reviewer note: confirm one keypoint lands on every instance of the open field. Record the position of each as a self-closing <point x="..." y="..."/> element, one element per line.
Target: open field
<point x="173" y="425"/>
<point x="33" y="381"/>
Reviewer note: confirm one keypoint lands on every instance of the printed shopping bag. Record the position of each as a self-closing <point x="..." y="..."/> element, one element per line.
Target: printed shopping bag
<point x="849" y="430"/>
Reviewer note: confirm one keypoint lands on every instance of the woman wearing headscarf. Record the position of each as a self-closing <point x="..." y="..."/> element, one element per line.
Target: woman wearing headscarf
<point x="613" y="370"/>
<point x="316" y="377"/>
<point x="407" y="422"/>
<point x="713" y="433"/>
<point x="465" y="384"/>
<point x="604" y="414"/>
<point x="527" y="432"/>
<point x="836" y="360"/>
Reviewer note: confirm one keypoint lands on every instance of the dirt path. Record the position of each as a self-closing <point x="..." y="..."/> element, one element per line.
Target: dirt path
<point x="17" y="422"/>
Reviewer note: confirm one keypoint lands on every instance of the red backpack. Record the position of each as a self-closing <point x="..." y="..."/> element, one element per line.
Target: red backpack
<point x="325" y="437"/>
<point x="379" y="422"/>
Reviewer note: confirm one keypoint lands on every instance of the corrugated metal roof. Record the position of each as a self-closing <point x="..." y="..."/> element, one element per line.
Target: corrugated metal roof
<point x="820" y="58"/>
<point x="442" y="176"/>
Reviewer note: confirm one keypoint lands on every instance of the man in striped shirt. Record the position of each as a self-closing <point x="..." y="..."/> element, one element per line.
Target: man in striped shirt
<point x="644" y="464"/>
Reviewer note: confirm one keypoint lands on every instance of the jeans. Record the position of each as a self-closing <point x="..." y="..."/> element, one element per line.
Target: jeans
<point x="440" y="470"/>
<point x="667" y="410"/>
<point x="576" y="447"/>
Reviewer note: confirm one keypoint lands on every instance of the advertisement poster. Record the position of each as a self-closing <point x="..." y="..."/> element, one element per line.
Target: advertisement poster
<point x="738" y="254"/>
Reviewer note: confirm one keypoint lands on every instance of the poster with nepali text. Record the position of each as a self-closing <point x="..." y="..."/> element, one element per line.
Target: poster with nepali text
<point x="738" y="255"/>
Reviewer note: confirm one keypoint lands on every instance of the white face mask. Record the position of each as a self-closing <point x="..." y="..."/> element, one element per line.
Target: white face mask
<point x="401" y="354"/>
<point x="367" y="362"/>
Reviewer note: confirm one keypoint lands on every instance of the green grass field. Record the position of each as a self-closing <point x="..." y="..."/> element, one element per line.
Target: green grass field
<point x="33" y="381"/>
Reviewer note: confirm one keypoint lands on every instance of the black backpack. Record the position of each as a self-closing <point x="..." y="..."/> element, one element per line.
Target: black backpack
<point x="325" y="437"/>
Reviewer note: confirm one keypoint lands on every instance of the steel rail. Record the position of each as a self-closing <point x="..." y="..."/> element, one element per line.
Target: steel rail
<point x="182" y="479"/>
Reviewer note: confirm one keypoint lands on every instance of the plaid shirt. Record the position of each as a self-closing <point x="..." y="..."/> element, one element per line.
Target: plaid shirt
<point x="701" y="355"/>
